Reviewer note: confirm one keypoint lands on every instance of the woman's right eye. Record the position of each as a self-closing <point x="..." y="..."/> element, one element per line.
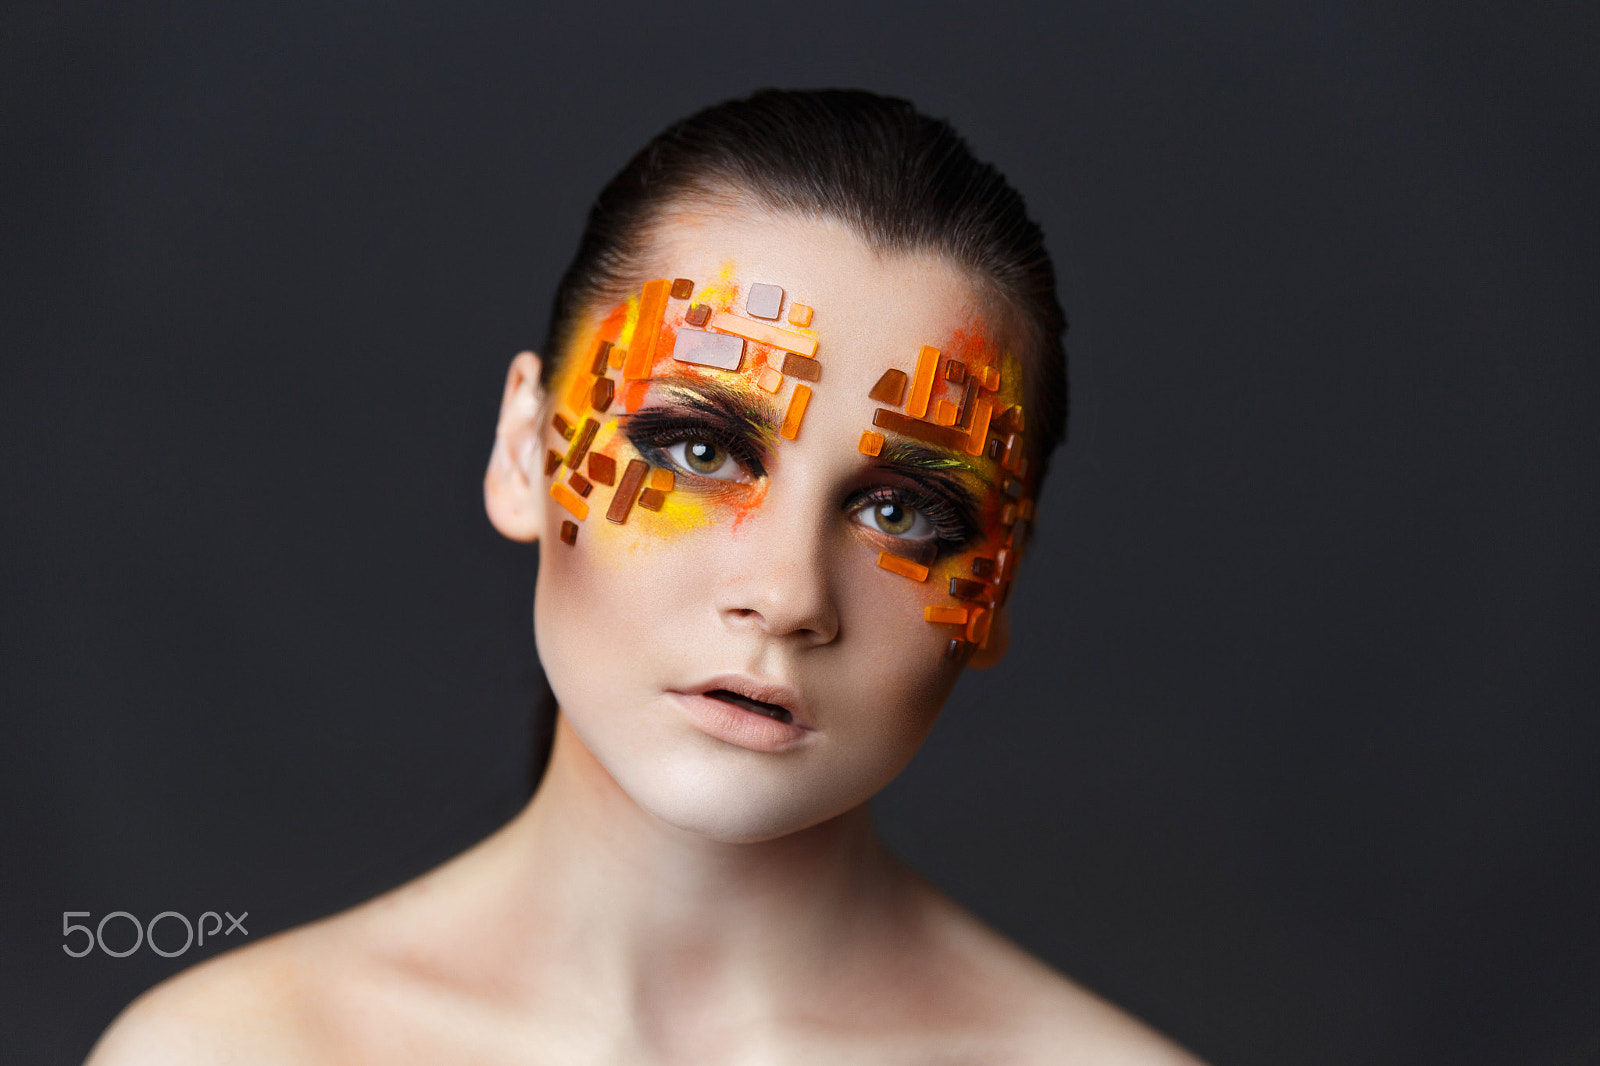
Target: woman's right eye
<point x="705" y="458"/>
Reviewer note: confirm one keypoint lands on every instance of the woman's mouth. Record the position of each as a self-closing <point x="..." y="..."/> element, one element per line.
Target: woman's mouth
<point x="771" y="710"/>
<point x="736" y="708"/>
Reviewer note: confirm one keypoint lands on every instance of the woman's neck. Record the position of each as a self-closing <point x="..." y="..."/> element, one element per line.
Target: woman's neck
<point x="665" y="929"/>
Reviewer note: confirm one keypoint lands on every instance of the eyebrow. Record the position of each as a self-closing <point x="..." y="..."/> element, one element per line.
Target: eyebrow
<point x="719" y="398"/>
<point x="945" y="467"/>
<point x="758" y="414"/>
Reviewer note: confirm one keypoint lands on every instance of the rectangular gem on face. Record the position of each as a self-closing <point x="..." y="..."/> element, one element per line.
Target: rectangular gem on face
<point x="569" y="499"/>
<point x="922" y="381"/>
<point x="980" y="427"/>
<point x="762" y="333"/>
<point x="978" y="624"/>
<point x="916" y="428"/>
<point x="955" y="615"/>
<point x="963" y="589"/>
<point x="799" y="366"/>
<point x="871" y="443"/>
<point x="652" y="303"/>
<point x="897" y="565"/>
<point x="721" y="350"/>
<point x="968" y="404"/>
<point x="682" y="288"/>
<point x="797" y="410"/>
<point x="581" y="442"/>
<point x="764" y="301"/>
<point x="602" y="469"/>
<point x="891" y="388"/>
<point x="957" y="650"/>
<point x="578" y="395"/>
<point x="622" y="499"/>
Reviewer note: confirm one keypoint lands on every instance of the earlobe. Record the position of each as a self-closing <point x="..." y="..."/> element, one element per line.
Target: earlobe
<point x="512" y="485"/>
<point x="999" y="639"/>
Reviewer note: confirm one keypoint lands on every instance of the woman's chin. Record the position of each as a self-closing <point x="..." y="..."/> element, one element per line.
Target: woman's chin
<point x="738" y="805"/>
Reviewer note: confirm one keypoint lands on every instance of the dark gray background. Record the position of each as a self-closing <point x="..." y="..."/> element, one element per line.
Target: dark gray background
<point x="1294" y="752"/>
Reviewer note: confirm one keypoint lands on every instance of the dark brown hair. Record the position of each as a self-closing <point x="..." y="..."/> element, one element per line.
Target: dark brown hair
<point x="903" y="181"/>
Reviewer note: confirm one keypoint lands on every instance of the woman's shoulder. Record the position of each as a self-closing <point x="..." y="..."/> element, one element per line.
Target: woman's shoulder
<point x="257" y="1003"/>
<point x="312" y="994"/>
<point x="297" y="996"/>
<point x="1044" y="1016"/>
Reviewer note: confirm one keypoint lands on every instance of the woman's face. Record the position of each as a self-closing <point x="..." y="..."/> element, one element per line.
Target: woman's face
<point x="746" y="615"/>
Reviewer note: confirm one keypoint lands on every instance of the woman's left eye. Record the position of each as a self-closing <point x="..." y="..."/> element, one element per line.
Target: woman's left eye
<point x="896" y="519"/>
<point x="705" y="458"/>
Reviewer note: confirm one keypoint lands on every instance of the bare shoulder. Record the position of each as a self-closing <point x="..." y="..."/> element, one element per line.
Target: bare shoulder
<point x="325" y="992"/>
<point x="254" y="1004"/>
<point x="1044" y="1016"/>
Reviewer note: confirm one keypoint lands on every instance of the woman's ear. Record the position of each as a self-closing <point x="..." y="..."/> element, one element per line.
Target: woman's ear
<point x="999" y="639"/>
<point x="512" y="484"/>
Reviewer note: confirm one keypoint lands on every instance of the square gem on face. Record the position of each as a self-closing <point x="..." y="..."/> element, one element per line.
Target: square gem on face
<point x="703" y="348"/>
<point x="765" y="301"/>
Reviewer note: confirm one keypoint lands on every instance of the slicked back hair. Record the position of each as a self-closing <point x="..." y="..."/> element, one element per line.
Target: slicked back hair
<point x="904" y="182"/>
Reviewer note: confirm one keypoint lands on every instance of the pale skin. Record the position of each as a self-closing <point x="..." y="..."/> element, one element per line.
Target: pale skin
<point x="669" y="896"/>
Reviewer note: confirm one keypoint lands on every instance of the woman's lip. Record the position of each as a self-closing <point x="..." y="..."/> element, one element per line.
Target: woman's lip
<point x="736" y="725"/>
<point x="774" y="692"/>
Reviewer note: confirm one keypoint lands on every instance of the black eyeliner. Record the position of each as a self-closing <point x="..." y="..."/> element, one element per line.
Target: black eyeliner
<point x="949" y="507"/>
<point x="654" y="429"/>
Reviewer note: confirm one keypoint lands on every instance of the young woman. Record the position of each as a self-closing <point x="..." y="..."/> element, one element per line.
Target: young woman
<point x="780" y="454"/>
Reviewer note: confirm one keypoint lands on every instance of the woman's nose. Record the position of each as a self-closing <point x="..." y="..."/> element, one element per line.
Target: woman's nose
<point x="778" y="578"/>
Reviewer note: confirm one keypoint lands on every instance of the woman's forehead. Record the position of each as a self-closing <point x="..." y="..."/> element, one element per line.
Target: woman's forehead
<point x="868" y="300"/>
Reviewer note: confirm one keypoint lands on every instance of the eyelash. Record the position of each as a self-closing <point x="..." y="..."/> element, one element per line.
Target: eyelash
<point x="952" y="528"/>
<point x="653" y="431"/>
